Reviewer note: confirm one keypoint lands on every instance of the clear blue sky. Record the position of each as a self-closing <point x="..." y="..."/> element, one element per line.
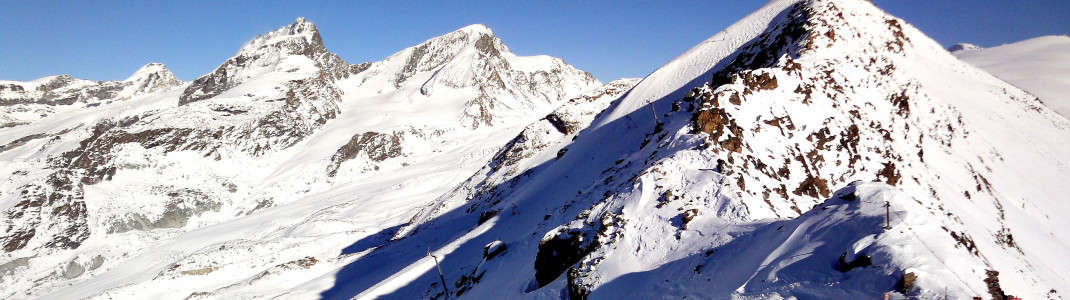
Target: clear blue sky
<point x="109" y="40"/>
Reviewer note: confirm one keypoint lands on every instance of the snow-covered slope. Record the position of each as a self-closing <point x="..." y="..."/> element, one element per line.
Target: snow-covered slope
<point x="817" y="149"/>
<point x="1040" y="66"/>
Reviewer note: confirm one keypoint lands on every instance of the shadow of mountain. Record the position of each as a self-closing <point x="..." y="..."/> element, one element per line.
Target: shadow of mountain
<point x="375" y="240"/>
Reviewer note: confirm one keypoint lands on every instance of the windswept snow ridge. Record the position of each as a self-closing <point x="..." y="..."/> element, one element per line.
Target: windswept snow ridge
<point x="1040" y="66"/>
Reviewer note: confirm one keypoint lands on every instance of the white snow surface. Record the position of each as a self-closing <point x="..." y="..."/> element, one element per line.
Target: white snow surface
<point x="1040" y="66"/>
<point x="872" y="143"/>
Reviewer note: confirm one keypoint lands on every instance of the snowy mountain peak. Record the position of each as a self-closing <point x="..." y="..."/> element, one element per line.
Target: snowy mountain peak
<point x="147" y="69"/>
<point x="963" y="47"/>
<point x="149" y="78"/>
<point x="278" y="50"/>
<point x="435" y="52"/>
<point x="476" y="29"/>
<point x="475" y="66"/>
<point x="26" y="102"/>
<point x="299" y="29"/>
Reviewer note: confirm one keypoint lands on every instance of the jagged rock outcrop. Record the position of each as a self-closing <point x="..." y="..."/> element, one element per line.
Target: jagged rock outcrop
<point x="374" y="146"/>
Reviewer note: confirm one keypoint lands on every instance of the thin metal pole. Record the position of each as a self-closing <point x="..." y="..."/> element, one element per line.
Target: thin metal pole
<point x="887" y="215"/>
<point x="440" y="276"/>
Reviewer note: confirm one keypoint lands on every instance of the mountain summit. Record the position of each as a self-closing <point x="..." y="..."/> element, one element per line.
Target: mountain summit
<point x="264" y="54"/>
<point x="473" y="62"/>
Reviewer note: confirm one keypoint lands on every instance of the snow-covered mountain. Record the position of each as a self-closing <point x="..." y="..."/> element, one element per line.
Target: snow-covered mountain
<point x="25" y="102"/>
<point x="129" y="171"/>
<point x="1040" y="66"/>
<point x="488" y="81"/>
<point x="816" y="149"/>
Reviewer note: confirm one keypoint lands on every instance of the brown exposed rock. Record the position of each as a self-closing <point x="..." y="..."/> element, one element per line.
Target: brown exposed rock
<point x="899" y="39"/>
<point x="964" y="241"/>
<point x="559" y="124"/>
<point x="807" y="90"/>
<point x="689" y="215"/>
<point x="1006" y="239"/>
<point x="765" y="81"/>
<point x="304" y="263"/>
<point x="907" y="282"/>
<point x="889" y="173"/>
<point x="18" y="239"/>
<point x="717" y="123"/>
<point x="901" y="102"/>
<point x="813" y="187"/>
<point x="765" y="50"/>
<point x="734" y="99"/>
<point x="821" y="137"/>
<point x="201" y="271"/>
<point x="992" y="282"/>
